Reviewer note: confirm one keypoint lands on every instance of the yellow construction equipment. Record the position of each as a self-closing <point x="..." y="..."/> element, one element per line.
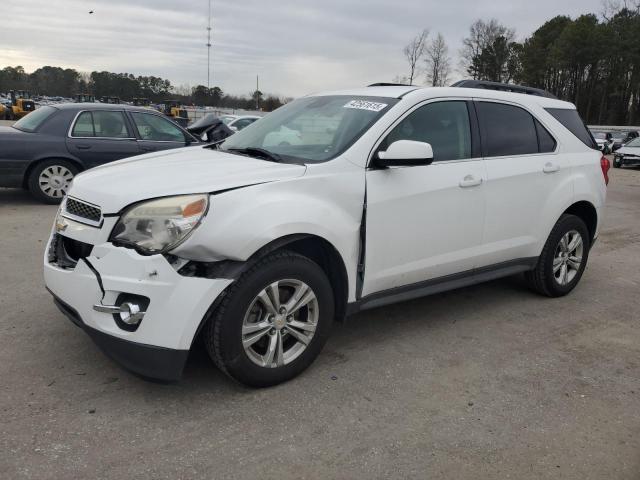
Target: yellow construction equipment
<point x="21" y="104"/>
<point x="176" y="112"/>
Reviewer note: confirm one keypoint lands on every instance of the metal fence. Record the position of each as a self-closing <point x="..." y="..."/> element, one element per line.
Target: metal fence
<point x="197" y="113"/>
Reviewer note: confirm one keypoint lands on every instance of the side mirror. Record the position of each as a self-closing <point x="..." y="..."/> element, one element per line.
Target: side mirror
<point x="406" y="153"/>
<point x="234" y="129"/>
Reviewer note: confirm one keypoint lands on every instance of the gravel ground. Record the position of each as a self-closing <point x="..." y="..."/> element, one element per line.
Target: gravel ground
<point x="489" y="381"/>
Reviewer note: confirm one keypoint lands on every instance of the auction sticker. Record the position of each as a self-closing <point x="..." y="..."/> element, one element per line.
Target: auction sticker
<point x="364" y="105"/>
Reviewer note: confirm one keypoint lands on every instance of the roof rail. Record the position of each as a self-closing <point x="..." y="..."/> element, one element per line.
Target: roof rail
<point x="383" y="84"/>
<point x="503" y="87"/>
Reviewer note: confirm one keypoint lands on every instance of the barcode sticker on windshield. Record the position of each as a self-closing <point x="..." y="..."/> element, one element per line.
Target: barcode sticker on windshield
<point x="364" y="105"/>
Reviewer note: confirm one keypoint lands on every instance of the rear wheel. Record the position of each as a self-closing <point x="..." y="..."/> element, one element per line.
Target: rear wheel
<point x="272" y="322"/>
<point x="563" y="259"/>
<point x="50" y="180"/>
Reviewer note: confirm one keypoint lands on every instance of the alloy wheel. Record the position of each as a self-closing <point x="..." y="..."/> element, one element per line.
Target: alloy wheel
<point x="568" y="257"/>
<point x="280" y="323"/>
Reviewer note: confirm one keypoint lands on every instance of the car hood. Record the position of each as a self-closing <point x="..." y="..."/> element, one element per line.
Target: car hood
<point x="175" y="172"/>
<point x="629" y="151"/>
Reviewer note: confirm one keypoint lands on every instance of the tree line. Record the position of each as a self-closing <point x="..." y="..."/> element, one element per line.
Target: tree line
<point x="67" y="82"/>
<point x="592" y="61"/>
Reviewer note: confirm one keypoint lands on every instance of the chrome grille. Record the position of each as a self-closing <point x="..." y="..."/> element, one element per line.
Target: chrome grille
<point x="83" y="210"/>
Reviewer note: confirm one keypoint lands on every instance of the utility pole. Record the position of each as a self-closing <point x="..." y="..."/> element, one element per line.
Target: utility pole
<point x="257" y="90"/>
<point x="209" y="49"/>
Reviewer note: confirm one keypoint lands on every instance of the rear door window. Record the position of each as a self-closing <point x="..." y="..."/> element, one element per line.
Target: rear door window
<point x="83" y="126"/>
<point x="110" y="124"/>
<point x="101" y="124"/>
<point x="507" y="130"/>
<point x="572" y="121"/>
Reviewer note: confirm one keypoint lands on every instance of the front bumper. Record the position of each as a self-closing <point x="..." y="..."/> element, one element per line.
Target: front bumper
<point x="158" y="348"/>
<point x="148" y="361"/>
<point x="628" y="160"/>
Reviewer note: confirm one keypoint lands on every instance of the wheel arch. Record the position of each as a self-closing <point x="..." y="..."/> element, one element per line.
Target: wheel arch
<point x="587" y="212"/>
<point x="322" y="252"/>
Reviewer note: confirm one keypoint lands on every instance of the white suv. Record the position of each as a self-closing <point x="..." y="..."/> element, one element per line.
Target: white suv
<point x="392" y="193"/>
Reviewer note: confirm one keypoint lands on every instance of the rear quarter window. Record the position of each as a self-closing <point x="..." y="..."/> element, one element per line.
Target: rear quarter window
<point x="572" y="121"/>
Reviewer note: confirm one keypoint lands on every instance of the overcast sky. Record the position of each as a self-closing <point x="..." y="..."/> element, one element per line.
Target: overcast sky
<point x="296" y="46"/>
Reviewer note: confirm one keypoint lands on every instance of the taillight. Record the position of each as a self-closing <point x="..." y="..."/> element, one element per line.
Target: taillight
<point x="605" y="165"/>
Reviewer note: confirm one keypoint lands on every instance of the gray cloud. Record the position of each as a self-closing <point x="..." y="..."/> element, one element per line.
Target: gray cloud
<point x="296" y="46"/>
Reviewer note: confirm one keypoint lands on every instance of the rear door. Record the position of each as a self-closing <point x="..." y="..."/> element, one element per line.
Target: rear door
<point x="526" y="181"/>
<point x="101" y="136"/>
<point x="156" y="132"/>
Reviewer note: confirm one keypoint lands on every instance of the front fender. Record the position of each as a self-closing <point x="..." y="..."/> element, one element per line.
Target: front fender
<point x="242" y="221"/>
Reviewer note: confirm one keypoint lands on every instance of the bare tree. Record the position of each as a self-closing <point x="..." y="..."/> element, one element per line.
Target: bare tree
<point x="438" y="62"/>
<point x="611" y="7"/>
<point x="414" y="52"/>
<point x="482" y="35"/>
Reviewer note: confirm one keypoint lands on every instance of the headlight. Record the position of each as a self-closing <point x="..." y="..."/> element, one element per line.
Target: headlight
<point x="158" y="226"/>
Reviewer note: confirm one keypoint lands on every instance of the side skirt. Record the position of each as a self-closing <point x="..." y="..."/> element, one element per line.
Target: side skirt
<point x="442" y="284"/>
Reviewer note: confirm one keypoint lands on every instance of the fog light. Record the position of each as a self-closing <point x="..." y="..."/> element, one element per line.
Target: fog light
<point x="128" y="310"/>
<point x="130" y="313"/>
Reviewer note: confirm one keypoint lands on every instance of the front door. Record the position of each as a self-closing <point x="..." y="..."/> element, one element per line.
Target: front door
<point x="425" y="222"/>
<point x="157" y="133"/>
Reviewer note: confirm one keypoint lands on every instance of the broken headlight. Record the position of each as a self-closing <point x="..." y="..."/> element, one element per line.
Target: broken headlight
<point x="157" y="226"/>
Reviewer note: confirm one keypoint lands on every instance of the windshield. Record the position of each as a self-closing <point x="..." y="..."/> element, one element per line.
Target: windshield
<point x="599" y="135"/>
<point x="33" y="120"/>
<point x="312" y="129"/>
<point x="620" y="135"/>
<point x="633" y="143"/>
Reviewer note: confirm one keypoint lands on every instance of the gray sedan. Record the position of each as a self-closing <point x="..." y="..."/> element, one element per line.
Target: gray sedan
<point x="43" y="151"/>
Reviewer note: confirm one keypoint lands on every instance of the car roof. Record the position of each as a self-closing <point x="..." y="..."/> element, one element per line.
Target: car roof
<point x="413" y="91"/>
<point x="101" y="106"/>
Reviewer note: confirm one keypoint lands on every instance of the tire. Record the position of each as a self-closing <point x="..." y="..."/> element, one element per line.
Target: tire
<point x="543" y="279"/>
<point x="60" y="174"/>
<point x="241" y="310"/>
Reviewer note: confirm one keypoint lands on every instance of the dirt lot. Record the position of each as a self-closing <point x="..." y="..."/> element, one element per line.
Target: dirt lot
<point x="490" y="381"/>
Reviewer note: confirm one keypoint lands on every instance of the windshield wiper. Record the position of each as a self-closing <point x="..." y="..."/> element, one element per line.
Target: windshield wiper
<point x="260" y="152"/>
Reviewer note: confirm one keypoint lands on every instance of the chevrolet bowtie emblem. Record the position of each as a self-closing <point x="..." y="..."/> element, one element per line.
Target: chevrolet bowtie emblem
<point x="61" y="225"/>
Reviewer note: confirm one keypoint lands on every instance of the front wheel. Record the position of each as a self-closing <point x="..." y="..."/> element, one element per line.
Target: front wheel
<point x="563" y="258"/>
<point x="50" y="180"/>
<point x="272" y="322"/>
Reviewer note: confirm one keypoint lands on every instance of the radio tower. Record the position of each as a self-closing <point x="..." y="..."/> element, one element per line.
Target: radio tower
<point x="209" y="49"/>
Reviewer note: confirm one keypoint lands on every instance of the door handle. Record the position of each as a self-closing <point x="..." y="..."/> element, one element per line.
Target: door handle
<point x="83" y="147"/>
<point x="550" y="168"/>
<point x="470" y="181"/>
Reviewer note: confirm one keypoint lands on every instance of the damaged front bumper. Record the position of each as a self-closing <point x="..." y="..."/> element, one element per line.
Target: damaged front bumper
<point x="157" y="347"/>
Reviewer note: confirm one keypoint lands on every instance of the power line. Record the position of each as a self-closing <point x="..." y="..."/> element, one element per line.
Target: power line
<point x="209" y="49"/>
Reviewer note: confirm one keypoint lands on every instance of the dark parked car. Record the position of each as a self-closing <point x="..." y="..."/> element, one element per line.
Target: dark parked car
<point x="620" y="139"/>
<point x="43" y="151"/>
